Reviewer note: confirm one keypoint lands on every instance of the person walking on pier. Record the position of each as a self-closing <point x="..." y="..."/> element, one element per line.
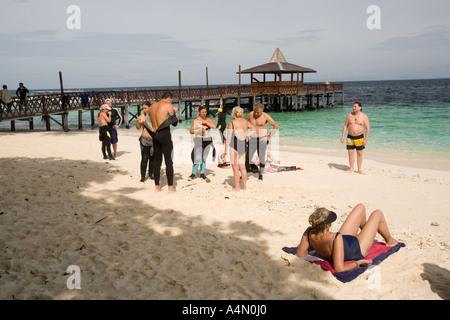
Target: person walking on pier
<point x="5" y="99"/>
<point x="21" y="92"/>
<point x="259" y="138"/>
<point x="355" y="122"/>
<point x="113" y="125"/>
<point x="103" y="118"/>
<point x="202" y="142"/>
<point x="160" y="116"/>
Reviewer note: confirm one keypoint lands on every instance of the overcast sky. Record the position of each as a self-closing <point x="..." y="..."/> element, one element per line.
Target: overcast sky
<point x="145" y="43"/>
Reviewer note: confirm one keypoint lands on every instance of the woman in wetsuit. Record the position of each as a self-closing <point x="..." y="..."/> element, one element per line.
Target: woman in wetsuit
<point x="237" y="133"/>
<point x="103" y="118"/>
<point x="202" y="142"/>
<point x="347" y="244"/>
<point x="146" y="143"/>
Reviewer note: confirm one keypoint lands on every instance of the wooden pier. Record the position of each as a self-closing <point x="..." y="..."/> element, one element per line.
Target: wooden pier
<point x="276" y="97"/>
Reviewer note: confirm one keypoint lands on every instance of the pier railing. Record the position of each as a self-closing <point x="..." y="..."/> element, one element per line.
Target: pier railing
<point x="46" y="104"/>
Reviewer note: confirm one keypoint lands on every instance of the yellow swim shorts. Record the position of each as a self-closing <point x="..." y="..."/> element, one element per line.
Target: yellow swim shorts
<point x="355" y="142"/>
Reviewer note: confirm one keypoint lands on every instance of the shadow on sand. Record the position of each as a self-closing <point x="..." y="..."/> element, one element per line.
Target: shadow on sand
<point x="126" y="248"/>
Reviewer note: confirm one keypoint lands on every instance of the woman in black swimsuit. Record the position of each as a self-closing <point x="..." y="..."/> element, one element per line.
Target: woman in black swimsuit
<point x="237" y="132"/>
<point x="347" y="244"/>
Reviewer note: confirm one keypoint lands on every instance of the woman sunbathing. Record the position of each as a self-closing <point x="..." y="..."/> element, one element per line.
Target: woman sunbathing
<point x="347" y="244"/>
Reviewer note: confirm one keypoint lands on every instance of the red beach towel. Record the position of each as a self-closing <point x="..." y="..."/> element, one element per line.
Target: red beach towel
<point x="378" y="252"/>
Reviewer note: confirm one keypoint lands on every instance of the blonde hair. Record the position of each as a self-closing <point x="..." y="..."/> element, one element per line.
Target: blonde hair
<point x="317" y="218"/>
<point x="237" y="112"/>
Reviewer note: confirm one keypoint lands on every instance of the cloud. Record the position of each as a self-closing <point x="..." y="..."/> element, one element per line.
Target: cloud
<point x="84" y="45"/>
<point x="300" y="37"/>
<point x="429" y="38"/>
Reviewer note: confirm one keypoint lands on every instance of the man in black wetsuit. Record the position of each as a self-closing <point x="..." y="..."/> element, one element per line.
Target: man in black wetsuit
<point x="160" y="116"/>
<point x="221" y="123"/>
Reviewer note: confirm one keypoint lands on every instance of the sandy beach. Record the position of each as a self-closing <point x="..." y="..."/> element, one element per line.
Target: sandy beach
<point x="61" y="204"/>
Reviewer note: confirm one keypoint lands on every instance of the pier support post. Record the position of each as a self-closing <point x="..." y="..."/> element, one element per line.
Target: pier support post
<point x="92" y="117"/>
<point x="47" y="122"/>
<point x="80" y="119"/>
<point x="13" y="125"/>
<point x="65" y="120"/>
<point x="31" y="123"/>
<point x="127" y="121"/>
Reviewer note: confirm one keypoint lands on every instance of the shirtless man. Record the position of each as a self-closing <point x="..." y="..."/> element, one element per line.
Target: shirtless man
<point x="160" y="116"/>
<point x="355" y="123"/>
<point x="259" y="138"/>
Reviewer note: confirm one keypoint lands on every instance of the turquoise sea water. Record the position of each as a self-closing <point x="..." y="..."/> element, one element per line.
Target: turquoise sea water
<point x="407" y="117"/>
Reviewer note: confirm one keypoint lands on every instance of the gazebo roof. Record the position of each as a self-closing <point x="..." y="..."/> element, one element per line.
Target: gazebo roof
<point x="278" y="64"/>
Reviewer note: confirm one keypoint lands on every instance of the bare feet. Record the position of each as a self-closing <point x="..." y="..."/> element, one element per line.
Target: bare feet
<point x="171" y="189"/>
<point x="236" y="189"/>
<point x="391" y="243"/>
<point x="349" y="171"/>
<point x="157" y="189"/>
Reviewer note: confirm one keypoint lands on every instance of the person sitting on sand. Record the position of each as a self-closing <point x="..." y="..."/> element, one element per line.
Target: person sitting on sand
<point x="236" y="135"/>
<point x="347" y="243"/>
<point x="103" y="118"/>
<point x="202" y="142"/>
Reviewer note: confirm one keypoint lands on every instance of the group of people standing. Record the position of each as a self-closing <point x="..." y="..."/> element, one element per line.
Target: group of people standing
<point x="245" y="137"/>
<point x="156" y="140"/>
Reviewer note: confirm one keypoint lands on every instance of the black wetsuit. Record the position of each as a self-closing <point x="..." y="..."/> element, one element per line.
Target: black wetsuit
<point x="22" y="93"/>
<point x="259" y="146"/>
<point x="105" y="136"/>
<point x="146" y="156"/>
<point x="162" y="145"/>
<point x="222" y="124"/>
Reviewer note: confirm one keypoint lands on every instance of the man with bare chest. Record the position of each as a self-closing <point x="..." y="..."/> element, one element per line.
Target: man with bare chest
<point x="355" y="122"/>
<point x="259" y="138"/>
<point x="158" y="119"/>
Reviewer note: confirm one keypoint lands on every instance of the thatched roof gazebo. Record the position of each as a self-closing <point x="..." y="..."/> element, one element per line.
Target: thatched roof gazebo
<point x="277" y="66"/>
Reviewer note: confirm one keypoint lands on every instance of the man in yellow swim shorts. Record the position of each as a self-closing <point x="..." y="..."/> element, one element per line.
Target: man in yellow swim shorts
<point x="355" y="123"/>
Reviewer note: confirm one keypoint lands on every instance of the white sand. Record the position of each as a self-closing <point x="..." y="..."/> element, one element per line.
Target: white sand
<point x="204" y="241"/>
